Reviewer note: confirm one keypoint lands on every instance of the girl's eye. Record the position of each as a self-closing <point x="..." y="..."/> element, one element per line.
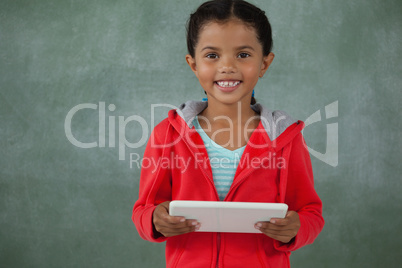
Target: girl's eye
<point x="243" y="55"/>
<point x="212" y="56"/>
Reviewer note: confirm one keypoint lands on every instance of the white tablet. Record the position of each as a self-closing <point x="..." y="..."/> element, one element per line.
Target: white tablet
<point x="230" y="217"/>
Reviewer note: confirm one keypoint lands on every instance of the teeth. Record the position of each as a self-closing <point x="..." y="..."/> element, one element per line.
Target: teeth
<point x="228" y="83"/>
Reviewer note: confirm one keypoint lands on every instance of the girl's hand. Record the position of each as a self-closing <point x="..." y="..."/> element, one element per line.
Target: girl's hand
<point x="282" y="230"/>
<point x="171" y="225"/>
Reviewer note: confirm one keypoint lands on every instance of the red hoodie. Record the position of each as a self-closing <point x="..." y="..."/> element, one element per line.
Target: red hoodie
<point x="275" y="167"/>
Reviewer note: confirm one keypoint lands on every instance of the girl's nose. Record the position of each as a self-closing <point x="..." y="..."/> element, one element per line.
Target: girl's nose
<point x="227" y="65"/>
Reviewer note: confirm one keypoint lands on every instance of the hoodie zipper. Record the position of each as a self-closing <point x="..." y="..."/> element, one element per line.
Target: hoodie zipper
<point x="218" y="235"/>
<point x="218" y="246"/>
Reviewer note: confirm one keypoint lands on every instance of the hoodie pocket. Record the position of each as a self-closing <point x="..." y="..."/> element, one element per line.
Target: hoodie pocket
<point x="193" y="250"/>
<point x="242" y="250"/>
<point x="175" y="247"/>
<point x="271" y="257"/>
<point x="261" y="252"/>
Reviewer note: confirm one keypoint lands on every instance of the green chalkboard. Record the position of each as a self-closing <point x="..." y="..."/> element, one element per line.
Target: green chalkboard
<point x="79" y="86"/>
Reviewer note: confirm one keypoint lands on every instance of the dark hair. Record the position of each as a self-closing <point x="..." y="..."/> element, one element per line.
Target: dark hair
<point x="223" y="11"/>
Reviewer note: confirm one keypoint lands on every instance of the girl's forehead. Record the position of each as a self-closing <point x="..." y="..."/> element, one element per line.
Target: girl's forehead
<point x="230" y="32"/>
<point x="227" y="26"/>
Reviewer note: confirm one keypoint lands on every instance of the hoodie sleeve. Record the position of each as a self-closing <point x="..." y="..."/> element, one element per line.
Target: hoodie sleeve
<point x="155" y="185"/>
<point x="302" y="197"/>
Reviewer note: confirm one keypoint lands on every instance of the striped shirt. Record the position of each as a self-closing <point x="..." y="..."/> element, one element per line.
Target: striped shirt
<point x="223" y="162"/>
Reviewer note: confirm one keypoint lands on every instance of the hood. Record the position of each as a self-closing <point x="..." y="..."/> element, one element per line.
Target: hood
<point x="278" y="125"/>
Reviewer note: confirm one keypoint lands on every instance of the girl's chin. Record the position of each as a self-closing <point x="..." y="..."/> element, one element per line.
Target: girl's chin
<point x="230" y="99"/>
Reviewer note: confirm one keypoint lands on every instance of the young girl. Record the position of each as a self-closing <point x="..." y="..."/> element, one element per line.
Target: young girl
<point x="229" y="150"/>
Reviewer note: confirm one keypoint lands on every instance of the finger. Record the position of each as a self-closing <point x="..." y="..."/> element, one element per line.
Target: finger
<point x="175" y="220"/>
<point x="184" y="224"/>
<point x="279" y="235"/>
<point x="168" y="232"/>
<point x="279" y="232"/>
<point x="271" y="226"/>
<point x="161" y="214"/>
<point x="162" y="223"/>
<point x="290" y="217"/>
<point x="169" y="225"/>
<point x="174" y="225"/>
<point x="280" y="222"/>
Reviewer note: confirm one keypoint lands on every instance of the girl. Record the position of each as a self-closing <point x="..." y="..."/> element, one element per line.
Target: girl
<point x="226" y="149"/>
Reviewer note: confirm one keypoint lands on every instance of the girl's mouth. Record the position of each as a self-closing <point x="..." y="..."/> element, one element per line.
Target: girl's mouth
<point x="227" y="86"/>
<point x="228" y="83"/>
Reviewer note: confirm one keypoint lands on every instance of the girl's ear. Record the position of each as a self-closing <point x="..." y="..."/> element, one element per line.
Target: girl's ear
<point x="191" y="62"/>
<point x="266" y="62"/>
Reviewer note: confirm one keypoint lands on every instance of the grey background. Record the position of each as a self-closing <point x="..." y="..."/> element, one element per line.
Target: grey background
<point x="64" y="206"/>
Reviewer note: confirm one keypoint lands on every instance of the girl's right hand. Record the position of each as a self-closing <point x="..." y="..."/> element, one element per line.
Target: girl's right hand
<point x="172" y="225"/>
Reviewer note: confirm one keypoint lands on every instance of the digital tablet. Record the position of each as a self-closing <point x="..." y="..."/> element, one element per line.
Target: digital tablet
<point x="230" y="217"/>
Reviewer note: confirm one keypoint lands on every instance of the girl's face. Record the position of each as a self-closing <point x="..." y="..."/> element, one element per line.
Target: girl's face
<point x="228" y="61"/>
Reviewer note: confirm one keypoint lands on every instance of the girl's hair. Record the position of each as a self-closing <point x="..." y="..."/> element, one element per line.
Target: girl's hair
<point x="222" y="11"/>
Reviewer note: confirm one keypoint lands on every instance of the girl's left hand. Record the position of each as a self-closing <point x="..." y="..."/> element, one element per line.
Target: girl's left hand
<point x="282" y="230"/>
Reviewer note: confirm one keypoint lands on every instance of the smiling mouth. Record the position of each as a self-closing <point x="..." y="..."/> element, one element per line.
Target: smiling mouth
<point x="227" y="84"/>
